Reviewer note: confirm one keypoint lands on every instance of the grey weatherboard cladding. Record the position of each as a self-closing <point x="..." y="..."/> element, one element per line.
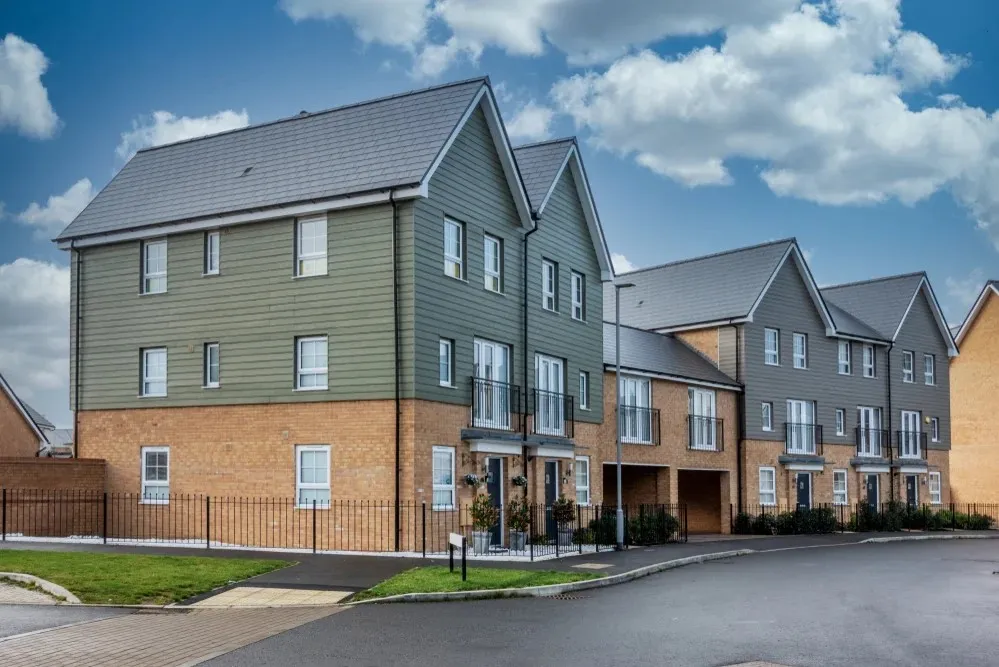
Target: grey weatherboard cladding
<point x="660" y="353"/>
<point x="375" y="145"/>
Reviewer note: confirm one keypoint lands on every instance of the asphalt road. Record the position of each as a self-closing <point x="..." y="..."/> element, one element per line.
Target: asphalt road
<point x="906" y="604"/>
<point x="18" y="619"/>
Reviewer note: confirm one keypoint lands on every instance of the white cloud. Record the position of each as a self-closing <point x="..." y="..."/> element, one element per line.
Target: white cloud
<point x="393" y="22"/>
<point x="162" y="127"/>
<point x="34" y="335"/>
<point x="621" y="263"/>
<point x="59" y="210"/>
<point x="531" y="122"/>
<point x="961" y="294"/>
<point x="815" y="97"/>
<point x="24" y="102"/>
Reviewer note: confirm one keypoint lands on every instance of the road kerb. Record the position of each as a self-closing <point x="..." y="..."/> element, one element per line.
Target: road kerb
<point x="924" y="538"/>
<point x="557" y="589"/>
<point x="55" y="590"/>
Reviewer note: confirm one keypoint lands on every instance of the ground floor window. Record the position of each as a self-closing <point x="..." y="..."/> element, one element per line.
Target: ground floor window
<point x="839" y="488"/>
<point x="582" y="480"/>
<point x="935" y="488"/>
<point x="313" y="475"/>
<point x="443" y="475"/>
<point x="155" y="474"/>
<point x="768" y="486"/>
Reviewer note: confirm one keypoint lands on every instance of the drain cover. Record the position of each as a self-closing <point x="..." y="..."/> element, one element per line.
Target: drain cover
<point x="565" y="597"/>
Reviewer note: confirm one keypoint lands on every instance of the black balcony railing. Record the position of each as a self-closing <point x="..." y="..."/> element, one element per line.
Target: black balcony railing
<point x="551" y="414"/>
<point x="910" y="445"/>
<point x="496" y="405"/>
<point x="802" y="438"/>
<point x="873" y="442"/>
<point x="705" y="434"/>
<point x="639" y="426"/>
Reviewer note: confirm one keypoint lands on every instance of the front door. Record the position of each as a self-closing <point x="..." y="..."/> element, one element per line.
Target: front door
<point x="869" y="421"/>
<point x="494" y="487"/>
<point x="492" y="389"/>
<point x="909" y="437"/>
<point x="804" y="490"/>
<point x="801" y="434"/>
<point x="911" y="490"/>
<point x="872" y="491"/>
<point x="551" y="495"/>
<point x="549" y="412"/>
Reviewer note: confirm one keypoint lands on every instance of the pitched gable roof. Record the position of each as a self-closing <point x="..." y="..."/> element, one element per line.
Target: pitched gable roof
<point x="661" y="354"/>
<point x="38" y="417"/>
<point x="991" y="287"/>
<point x="884" y="303"/>
<point x="307" y="161"/>
<point x="28" y="414"/>
<point x="542" y="166"/>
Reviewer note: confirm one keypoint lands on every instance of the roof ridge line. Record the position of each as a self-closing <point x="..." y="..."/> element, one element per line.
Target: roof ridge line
<point x="898" y="276"/>
<point x="300" y="116"/>
<point x="571" y="138"/>
<point x="677" y="262"/>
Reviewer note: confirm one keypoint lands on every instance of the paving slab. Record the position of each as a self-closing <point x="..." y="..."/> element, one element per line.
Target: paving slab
<point x="11" y="594"/>
<point x="255" y="596"/>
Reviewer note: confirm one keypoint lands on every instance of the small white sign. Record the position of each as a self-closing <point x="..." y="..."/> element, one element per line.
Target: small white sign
<point x="456" y="540"/>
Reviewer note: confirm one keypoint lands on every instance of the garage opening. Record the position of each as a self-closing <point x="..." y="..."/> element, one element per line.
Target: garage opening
<point x="701" y="490"/>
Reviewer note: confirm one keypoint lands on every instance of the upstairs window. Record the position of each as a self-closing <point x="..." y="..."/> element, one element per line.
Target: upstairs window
<point x="771" y="347"/>
<point x="549" y="285"/>
<point x="211" y="365"/>
<point x="845" y="358"/>
<point x="768" y="417"/>
<point x="312" y="370"/>
<point x="800" y="350"/>
<point x="840" y="421"/>
<point x="870" y="362"/>
<point x="445" y="371"/>
<point x="929" y="369"/>
<point x="154" y="267"/>
<point x="454" y="249"/>
<point x="908" y="362"/>
<point x="492" y="252"/>
<point x="935" y="429"/>
<point x="154" y="372"/>
<point x="311" y="247"/>
<point x="584" y="390"/>
<point x="578" y="296"/>
<point x="212" y="253"/>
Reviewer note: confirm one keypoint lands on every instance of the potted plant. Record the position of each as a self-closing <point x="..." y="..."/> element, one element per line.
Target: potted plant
<point x="564" y="514"/>
<point x="472" y="480"/>
<point x="520" y="481"/>
<point x="484" y="516"/>
<point x="519" y="518"/>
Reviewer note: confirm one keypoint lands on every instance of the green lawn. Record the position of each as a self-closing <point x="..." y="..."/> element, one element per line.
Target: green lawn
<point x="129" y="579"/>
<point x="438" y="579"/>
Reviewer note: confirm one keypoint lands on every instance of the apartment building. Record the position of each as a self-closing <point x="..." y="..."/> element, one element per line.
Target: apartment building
<point x="974" y="378"/>
<point x="846" y="389"/>
<point x="370" y="302"/>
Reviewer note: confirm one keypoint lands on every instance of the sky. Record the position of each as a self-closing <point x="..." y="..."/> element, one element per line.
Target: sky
<point x="865" y="128"/>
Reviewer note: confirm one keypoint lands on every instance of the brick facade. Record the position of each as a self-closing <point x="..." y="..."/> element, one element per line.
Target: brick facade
<point x="704" y="341"/>
<point x="17" y="438"/>
<point x="85" y="475"/>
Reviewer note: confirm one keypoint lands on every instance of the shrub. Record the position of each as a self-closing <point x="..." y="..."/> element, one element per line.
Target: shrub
<point x="765" y="524"/>
<point x="743" y="524"/>
<point x="519" y="515"/>
<point x="652" y="527"/>
<point x="484" y="514"/>
<point x="979" y="522"/>
<point x="563" y="511"/>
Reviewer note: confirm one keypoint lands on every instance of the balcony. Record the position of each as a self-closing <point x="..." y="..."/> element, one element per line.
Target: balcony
<point x="705" y="434"/>
<point x="873" y="443"/>
<point x="802" y="439"/>
<point x="639" y="426"/>
<point x="552" y="414"/>
<point x="910" y="445"/>
<point x="495" y="405"/>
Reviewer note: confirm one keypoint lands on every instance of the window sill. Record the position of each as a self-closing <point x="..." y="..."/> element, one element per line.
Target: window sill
<point x="152" y="396"/>
<point x="460" y="280"/>
<point x="211" y="386"/>
<point x="549" y="310"/>
<point x="447" y="385"/>
<point x="492" y="291"/>
<point x="326" y="388"/>
<point x="210" y="275"/>
<point x="152" y="501"/>
<point x="151" y="293"/>
<point x="443" y="508"/>
<point x="319" y="506"/>
<point x="315" y="275"/>
<point x="767" y="363"/>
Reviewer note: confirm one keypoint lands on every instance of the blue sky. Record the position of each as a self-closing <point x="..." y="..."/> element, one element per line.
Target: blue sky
<point x="865" y="128"/>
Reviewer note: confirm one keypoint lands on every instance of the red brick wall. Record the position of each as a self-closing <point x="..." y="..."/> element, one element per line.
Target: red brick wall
<point x="52" y="474"/>
<point x="16" y="436"/>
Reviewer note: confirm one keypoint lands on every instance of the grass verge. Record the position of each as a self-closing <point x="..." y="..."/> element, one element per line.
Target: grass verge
<point x="438" y="579"/>
<point x="103" y="578"/>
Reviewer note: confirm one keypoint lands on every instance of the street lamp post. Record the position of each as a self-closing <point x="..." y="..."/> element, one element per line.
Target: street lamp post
<point x="617" y="392"/>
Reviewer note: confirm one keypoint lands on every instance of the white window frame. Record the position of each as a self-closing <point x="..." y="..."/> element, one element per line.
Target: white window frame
<point x="845" y="361"/>
<point x="584" y="390"/>
<point x="149" y="276"/>
<point x="840" y="421"/>
<point x="768" y="497"/>
<point x="450" y="488"/>
<point x="841" y="497"/>
<point x="492" y="253"/>
<point x="549" y="285"/>
<point x="767" y="416"/>
<point x="312" y="486"/>
<point x="301" y="371"/>
<point x="929" y="369"/>
<point x="585" y="462"/>
<point x="445" y="348"/>
<point x="702" y="403"/>
<point x="146" y="379"/>
<point x="213" y="253"/>
<point x="155" y="500"/>
<point x="934" y="429"/>
<point x="454" y="260"/>
<point x="208" y="366"/>
<point x="799" y="357"/>
<point x="871" y="367"/>
<point x="578" y="294"/>
<point x="908" y="366"/>
<point x="936" y="495"/>
<point x="636" y="406"/>
<point x="304" y="259"/>
<point x="771" y="356"/>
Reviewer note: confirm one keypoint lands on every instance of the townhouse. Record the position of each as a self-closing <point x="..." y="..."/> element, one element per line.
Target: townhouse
<point x="974" y="378"/>
<point x="370" y="302"/>
<point x="845" y="389"/>
<point x="23" y="430"/>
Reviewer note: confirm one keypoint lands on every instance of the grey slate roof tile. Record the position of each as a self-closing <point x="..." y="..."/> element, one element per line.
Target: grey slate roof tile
<point x="847" y="324"/>
<point x="375" y="145"/>
<point x="539" y="164"/>
<point x="661" y="353"/>
<point x="37" y="417"/>
<point x="880" y="303"/>
<point x="715" y="287"/>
